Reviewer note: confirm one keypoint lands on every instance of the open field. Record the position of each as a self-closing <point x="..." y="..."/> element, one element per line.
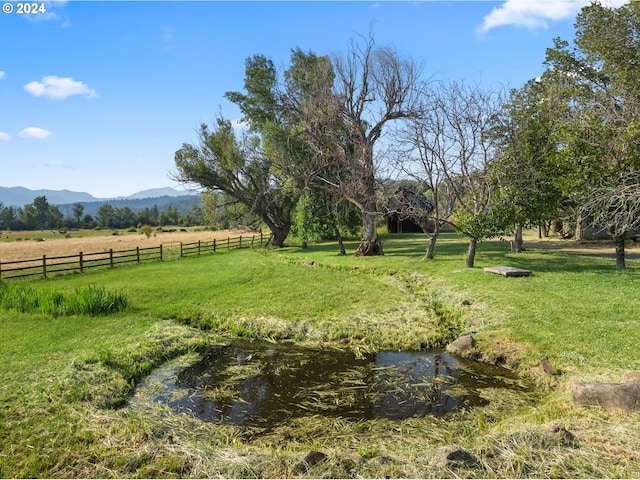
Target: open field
<point x="65" y="378"/>
<point x="28" y="245"/>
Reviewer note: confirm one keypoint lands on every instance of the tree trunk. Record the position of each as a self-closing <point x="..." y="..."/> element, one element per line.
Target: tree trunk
<point x="340" y="242"/>
<point x="370" y="243"/>
<point x="619" y="239"/>
<point x="517" y="244"/>
<point x="279" y="235"/>
<point x="471" y="253"/>
<point x="432" y="241"/>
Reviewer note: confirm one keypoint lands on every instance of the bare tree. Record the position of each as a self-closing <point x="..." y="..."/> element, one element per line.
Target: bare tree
<point x="424" y="152"/>
<point x="452" y="152"/>
<point x="342" y="112"/>
<point x="616" y="207"/>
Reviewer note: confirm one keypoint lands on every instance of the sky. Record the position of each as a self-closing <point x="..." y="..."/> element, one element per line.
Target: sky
<point x="97" y="96"/>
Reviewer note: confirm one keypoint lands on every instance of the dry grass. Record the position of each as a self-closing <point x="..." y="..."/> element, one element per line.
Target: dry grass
<point x="11" y="249"/>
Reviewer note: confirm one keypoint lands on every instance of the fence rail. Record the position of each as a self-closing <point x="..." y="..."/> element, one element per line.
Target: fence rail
<point x="49" y="265"/>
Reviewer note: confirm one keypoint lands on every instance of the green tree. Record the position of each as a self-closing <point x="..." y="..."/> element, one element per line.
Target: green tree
<point x="78" y="211"/>
<point x="595" y="89"/>
<point x="527" y="176"/>
<point x="341" y="108"/>
<point x="106" y="216"/>
<point x="243" y="171"/>
<point x="40" y="214"/>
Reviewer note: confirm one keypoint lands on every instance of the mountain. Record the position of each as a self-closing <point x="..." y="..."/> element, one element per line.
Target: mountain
<point x="20" y="196"/>
<point x="159" y="192"/>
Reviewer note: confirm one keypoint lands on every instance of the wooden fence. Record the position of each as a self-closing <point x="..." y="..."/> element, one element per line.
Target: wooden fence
<point x="83" y="261"/>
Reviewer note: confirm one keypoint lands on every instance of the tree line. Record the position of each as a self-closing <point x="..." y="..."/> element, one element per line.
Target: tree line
<point x="41" y="215"/>
<point x="331" y="137"/>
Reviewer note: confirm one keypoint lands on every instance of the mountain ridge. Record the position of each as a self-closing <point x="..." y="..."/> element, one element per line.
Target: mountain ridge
<point x="20" y="196"/>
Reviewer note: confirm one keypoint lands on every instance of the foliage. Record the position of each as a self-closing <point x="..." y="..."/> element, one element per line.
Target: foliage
<point x="527" y="173"/>
<point x="242" y="170"/>
<point x="221" y="211"/>
<point x="146" y="230"/>
<point x="594" y="89"/>
<point x="341" y="107"/>
<point x="321" y="216"/>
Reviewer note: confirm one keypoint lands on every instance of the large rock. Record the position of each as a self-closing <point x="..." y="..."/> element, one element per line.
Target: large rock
<point x="462" y="346"/>
<point x="609" y="396"/>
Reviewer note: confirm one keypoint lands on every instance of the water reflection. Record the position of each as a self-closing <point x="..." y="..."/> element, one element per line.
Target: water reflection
<point x="264" y="384"/>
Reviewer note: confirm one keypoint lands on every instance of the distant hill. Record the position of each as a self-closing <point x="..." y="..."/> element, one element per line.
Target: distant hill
<point x="20" y="196"/>
<point x="160" y="192"/>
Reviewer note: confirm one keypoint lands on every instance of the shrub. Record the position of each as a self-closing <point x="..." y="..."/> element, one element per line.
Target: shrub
<point x="147" y="230"/>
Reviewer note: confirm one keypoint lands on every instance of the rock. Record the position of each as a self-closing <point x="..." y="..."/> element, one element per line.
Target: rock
<point x="565" y="437"/>
<point x="609" y="396"/>
<point x="453" y="456"/>
<point x="466" y="303"/>
<point x="632" y="377"/>
<point x="310" y="459"/>
<point x="462" y="345"/>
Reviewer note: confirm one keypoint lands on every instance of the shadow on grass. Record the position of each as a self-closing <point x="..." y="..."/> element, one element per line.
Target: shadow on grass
<point x="451" y="250"/>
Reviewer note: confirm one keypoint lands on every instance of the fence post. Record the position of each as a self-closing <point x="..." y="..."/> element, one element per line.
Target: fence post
<point x="138" y="254"/>
<point x="260" y="237"/>
<point x="198" y="247"/>
<point x="44" y="266"/>
<point x="181" y="250"/>
<point x="240" y="244"/>
<point x="214" y="245"/>
<point x="161" y="252"/>
<point x="81" y="262"/>
<point x="252" y="239"/>
<point x="228" y="243"/>
<point x="111" y="256"/>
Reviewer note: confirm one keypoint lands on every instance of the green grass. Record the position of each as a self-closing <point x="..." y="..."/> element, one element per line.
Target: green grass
<point x="89" y="300"/>
<point x="65" y="378"/>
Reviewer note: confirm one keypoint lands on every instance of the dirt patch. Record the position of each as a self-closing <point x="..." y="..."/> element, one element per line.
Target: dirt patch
<point x="32" y="249"/>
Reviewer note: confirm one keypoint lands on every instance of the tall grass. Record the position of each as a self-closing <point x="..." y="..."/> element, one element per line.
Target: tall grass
<point x="89" y="300"/>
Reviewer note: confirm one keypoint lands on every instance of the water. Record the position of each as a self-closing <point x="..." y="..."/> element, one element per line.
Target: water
<point x="264" y="385"/>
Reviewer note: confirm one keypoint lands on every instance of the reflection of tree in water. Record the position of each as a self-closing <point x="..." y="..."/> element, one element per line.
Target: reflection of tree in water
<point x="265" y="385"/>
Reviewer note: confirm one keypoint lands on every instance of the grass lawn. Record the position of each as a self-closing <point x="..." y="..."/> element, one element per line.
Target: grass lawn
<point x="65" y="379"/>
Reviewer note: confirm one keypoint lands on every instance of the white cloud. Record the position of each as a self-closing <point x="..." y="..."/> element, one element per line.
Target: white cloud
<point x="56" y="87"/>
<point x="35" y="132"/>
<point x="2" y="74"/>
<point x="5" y="136"/>
<point x="50" y="14"/>
<point x="239" y="125"/>
<point x="534" y="14"/>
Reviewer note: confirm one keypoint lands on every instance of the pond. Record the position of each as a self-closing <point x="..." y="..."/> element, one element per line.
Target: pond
<point x="264" y="384"/>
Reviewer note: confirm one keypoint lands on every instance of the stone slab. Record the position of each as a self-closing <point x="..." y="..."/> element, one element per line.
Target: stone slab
<point x="508" y="271"/>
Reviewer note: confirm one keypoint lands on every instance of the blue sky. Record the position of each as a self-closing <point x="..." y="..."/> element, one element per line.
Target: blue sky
<point x="97" y="96"/>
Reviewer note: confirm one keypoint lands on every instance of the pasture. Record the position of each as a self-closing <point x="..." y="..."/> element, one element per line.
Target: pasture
<point x="66" y="379"/>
